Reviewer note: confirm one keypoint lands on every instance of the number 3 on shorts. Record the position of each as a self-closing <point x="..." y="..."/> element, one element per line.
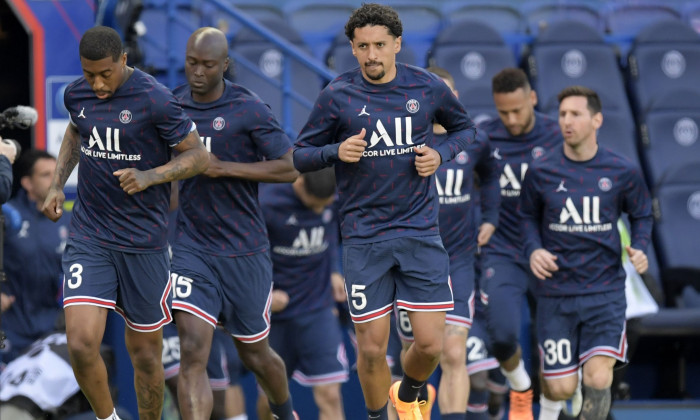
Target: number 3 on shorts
<point x="359" y="300"/>
<point x="75" y="279"/>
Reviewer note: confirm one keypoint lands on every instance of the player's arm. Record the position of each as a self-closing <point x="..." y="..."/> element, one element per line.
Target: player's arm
<point x="637" y="204"/>
<point x="274" y="170"/>
<point x="68" y="157"/>
<point x="5" y="174"/>
<point x="542" y="262"/>
<point x="317" y="146"/>
<point x="451" y="114"/>
<point x="192" y="158"/>
<point x="487" y="169"/>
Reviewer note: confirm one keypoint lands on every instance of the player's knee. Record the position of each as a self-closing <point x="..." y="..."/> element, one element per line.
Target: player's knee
<point x="559" y="390"/>
<point x="504" y="350"/>
<point x="328" y="397"/>
<point x="431" y="350"/>
<point x="453" y="356"/>
<point x="192" y="350"/>
<point x="598" y="379"/>
<point x="83" y="350"/>
<point x="145" y="355"/>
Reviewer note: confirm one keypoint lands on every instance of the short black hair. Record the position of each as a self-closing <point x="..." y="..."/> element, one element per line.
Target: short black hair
<point x="101" y="42"/>
<point x="374" y="14"/>
<point x="592" y="98"/>
<point x="509" y="80"/>
<point x="25" y="164"/>
<point x="321" y="183"/>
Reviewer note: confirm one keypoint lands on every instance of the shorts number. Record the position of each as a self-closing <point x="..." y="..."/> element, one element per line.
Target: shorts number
<point x="405" y="322"/>
<point x="182" y="286"/>
<point x="359" y="300"/>
<point x="171" y="349"/>
<point x="557" y="351"/>
<point x="476" y="350"/>
<point x="75" y="279"/>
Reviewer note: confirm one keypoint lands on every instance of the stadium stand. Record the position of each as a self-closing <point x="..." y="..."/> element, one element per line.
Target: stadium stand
<point x="472" y="61"/>
<point x="504" y="15"/>
<point x="541" y="13"/>
<point x="669" y="133"/>
<point x="619" y="134"/>
<point x="318" y="21"/>
<point x="255" y="9"/>
<point x="624" y="20"/>
<point x="572" y="53"/>
<point x="265" y="71"/>
<point x="168" y="26"/>
<point x="665" y="56"/>
<point x="421" y="21"/>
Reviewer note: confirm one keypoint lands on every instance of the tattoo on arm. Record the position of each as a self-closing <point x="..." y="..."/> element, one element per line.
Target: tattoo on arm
<point x="68" y="156"/>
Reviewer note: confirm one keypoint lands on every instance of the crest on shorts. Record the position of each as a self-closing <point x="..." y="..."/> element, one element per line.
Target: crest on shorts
<point x="605" y="184"/>
<point x="412" y="106"/>
<point x="125" y="116"/>
<point x="219" y="123"/>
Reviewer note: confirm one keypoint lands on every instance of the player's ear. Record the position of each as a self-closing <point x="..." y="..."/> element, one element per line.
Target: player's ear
<point x="226" y="62"/>
<point x="123" y="59"/>
<point x="352" y="47"/>
<point x="597" y="120"/>
<point x="397" y="44"/>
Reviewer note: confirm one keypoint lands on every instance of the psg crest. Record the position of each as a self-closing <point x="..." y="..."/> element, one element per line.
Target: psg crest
<point x="412" y="106"/>
<point x="125" y="116"/>
<point x="218" y="123"/>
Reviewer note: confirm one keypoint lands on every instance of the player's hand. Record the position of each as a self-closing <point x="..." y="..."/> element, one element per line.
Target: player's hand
<point x="350" y="151"/>
<point x="215" y="168"/>
<point x="428" y="160"/>
<point x="53" y="204"/>
<point x="9" y="150"/>
<point x="5" y="302"/>
<point x="338" y="287"/>
<point x="639" y="259"/>
<point x="132" y="180"/>
<point x="485" y="232"/>
<point x="542" y="263"/>
<point x="280" y="300"/>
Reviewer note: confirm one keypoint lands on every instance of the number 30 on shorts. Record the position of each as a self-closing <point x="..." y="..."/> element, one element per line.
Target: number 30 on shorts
<point x="75" y="279"/>
<point x="557" y="352"/>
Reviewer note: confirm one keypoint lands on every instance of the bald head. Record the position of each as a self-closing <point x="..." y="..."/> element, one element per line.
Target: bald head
<point x="206" y="61"/>
<point x="208" y="39"/>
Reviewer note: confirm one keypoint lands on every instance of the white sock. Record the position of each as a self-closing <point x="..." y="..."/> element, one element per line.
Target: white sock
<point x="518" y="378"/>
<point x="112" y="416"/>
<point x="239" y="417"/>
<point x="549" y="410"/>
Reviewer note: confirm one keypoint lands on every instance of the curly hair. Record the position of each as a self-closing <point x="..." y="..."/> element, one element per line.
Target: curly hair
<point x="374" y="14"/>
<point x="509" y="80"/>
<point x="101" y="42"/>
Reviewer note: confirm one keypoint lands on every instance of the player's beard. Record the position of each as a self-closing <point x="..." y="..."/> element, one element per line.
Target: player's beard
<point x="377" y="76"/>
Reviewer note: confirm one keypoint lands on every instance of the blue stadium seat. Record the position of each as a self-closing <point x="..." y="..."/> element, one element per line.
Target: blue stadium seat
<point x="255" y="9"/>
<point x="421" y="22"/>
<point x="268" y="60"/>
<point x="669" y="133"/>
<point x="541" y="13"/>
<point x="665" y="56"/>
<point x="318" y="21"/>
<point x="572" y="53"/>
<point x="691" y="14"/>
<point x="472" y="60"/>
<point x="618" y="133"/>
<point x="504" y="15"/>
<point x="340" y="58"/>
<point x="677" y="213"/>
<point x="156" y="44"/>
<point x="624" y="20"/>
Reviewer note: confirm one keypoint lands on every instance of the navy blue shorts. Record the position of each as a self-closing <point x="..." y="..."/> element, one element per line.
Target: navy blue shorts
<point x="413" y="271"/>
<point x="479" y="358"/>
<point x="235" y="292"/>
<point x="572" y="329"/>
<point x="223" y="366"/>
<point x="312" y="348"/>
<point x="503" y="285"/>
<point x="134" y="284"/>
<point x="462" y="281"/>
